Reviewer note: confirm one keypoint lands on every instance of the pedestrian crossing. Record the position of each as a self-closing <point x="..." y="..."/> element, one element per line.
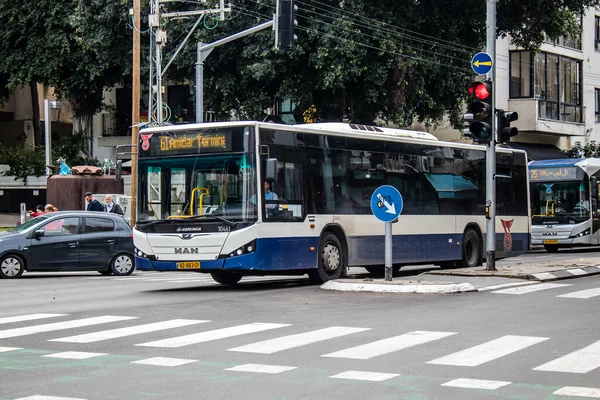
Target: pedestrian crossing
<point x="282" y="339"/>
<point x="523" y="288"/>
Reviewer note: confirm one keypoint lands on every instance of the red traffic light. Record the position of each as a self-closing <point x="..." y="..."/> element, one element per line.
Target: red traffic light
<point x="479" y="90"/>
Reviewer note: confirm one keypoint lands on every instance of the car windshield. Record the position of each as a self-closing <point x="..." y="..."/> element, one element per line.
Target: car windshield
<point x="560" y="200"/>
<point x="29" y="224"/>
<point x="184" y="187"/>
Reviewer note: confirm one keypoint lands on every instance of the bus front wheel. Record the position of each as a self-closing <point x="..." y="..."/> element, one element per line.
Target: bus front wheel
<point x="330" y="261"/>
<point x="226" y="278"/>
<point x="551" y="248"/>
<point x="471" y="249"/>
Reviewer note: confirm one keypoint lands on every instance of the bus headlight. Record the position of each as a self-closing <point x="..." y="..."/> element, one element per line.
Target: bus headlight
<point x="140" y="253"/>
<point x="584" y="233"/>
<point x="245" y="249"/>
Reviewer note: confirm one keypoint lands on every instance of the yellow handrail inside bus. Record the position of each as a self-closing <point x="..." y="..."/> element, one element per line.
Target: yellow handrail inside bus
<point x="204" y="191"/>
<point x="551" y="214"/>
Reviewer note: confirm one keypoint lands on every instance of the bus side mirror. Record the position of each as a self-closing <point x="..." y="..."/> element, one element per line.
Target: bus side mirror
<point x="271" y="169"/>
<point x="594" y="187"/>
<point x="118" y="170"/>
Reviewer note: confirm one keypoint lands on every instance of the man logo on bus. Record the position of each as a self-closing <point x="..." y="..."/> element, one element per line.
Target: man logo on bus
<point x="146" y="142"/>
<point x="507" y="236"/>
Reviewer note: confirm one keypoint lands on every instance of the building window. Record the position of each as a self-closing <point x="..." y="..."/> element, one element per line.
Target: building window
<point x="520" y="74"/>
<point x="597" y="105"/>
<point x="558" y="87"/>
<point x="597" y="35"/>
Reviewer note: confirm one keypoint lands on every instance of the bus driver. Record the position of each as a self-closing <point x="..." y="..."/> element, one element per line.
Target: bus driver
<point x="269" y="195"/>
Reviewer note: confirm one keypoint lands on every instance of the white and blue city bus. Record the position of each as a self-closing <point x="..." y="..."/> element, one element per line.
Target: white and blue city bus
<point x="204" y="204"/>
<point x="564" y="201"/>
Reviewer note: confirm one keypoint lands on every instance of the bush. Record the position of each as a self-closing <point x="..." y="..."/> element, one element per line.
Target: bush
<point x="24" y="161"/>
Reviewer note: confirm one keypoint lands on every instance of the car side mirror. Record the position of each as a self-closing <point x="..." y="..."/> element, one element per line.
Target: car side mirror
<point x="271" y="169"/>
<point x="38" y="234"/>
<point x="594" y="187"/>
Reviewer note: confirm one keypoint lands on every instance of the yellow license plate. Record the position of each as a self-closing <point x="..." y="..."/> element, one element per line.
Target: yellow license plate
<point x="188" y="265"/>
<point x="553" y="241"/>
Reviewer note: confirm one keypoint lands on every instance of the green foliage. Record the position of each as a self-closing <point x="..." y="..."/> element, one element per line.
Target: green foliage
<point x="591" y="149"/>
<point x="23" y="161"/>
<point x="71" y="149"/>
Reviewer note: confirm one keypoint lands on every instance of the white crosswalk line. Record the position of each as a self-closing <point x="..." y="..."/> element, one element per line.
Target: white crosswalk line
<point x="74" y="355"/>
<point x="504" y="285"/>
<point x="575" y="391"/>
<point x="578" y="362"/>
<point x="6" y="349"/>
<point x="128" y="331"/>
<point x="364" y="376"/>
<point x="38" y="397"/>
<point x="57" y="326"/>
<point x="389" y="345"/>
<point x="488" y="351"/>
<point x="532" y="288"/>
<point x="209" y="336"/>
<point x="301" y="339"/>
<point x="261" y="368"/>
<point x="476" y="384"/>
<point x="164" y="361"/>
<point x="28" y="317"/>
<point x="582" y="294"/>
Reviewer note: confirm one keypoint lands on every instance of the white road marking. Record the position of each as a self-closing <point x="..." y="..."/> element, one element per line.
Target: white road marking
<point x="75" y="355"/>
<point x="505" y="285"/>
<point x="544" y="276"/>
<point x="5" y="349"/>
<point x="289" y="342"/>
<point x="164" y="361"/>
<point x="57" y="326"/>
<point x="578" y="392"/>
<point x="389" y="345"/>
<point x="261" y="368"/>
<point x="532" y="288"/>
<point x="476" y="384"/>
<point x="209" y="336"/>
<point x="128" y="331"/>
<point x="577" y="271"/>
<point x="582" y="294"/>
<point x="488" y="351"/>
<point x="28" y="317"/>
<point x="365" y="376"/>
<point x="577" y="362"/>
<point x="38" y="397"/>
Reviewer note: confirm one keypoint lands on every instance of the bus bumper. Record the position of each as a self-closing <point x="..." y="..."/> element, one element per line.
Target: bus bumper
<point x="243" y="262"/>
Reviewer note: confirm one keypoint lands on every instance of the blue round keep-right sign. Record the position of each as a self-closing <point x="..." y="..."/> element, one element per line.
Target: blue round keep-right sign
<point x="482" y="63"/>
<point x="386" y="203"/>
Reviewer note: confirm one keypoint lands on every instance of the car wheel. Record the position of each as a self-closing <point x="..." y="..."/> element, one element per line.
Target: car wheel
<point x="331" y="260"/>
<point x="226" y="278"/>
<point x="11" y="266"/>
<point x="122" y="264"/>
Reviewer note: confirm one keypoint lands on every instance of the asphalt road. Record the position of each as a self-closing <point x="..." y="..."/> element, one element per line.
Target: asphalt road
<point x="181" y="336"/>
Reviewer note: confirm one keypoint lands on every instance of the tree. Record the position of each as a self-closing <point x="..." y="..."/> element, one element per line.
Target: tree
<point x="591" y="149"/>
<point x="80" y="47"/>
<point x="364" y="60"/>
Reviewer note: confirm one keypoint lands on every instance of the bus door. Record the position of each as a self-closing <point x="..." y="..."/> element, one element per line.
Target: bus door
<point x="595" y="210"/>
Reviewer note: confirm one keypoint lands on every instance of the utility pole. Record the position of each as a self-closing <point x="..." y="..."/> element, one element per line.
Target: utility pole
<point x="490" y="158"/>
<point x="135" y="108"/>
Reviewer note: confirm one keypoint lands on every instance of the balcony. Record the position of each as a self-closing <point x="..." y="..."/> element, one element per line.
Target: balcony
<point x="533" y="113"/>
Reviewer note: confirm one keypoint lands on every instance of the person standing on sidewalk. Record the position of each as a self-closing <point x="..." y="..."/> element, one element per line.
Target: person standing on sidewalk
<point x="93" y="204"/>
<point x="112" y="207"/>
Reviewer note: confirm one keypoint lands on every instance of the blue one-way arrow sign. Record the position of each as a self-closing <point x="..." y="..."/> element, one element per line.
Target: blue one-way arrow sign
<point x="386" y="203"/>
<point x="482" y="63"/>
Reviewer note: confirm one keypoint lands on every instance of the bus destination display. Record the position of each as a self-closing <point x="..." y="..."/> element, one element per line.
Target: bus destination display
<point x="553" y="174"/>
<point x="170" y="143"/>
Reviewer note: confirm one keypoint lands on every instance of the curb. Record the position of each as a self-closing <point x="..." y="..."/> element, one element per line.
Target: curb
<point x="387" y="288"/>
<point x="564" y="274"/>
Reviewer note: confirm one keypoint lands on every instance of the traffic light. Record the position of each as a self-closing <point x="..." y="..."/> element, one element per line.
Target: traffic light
<point x="480" y="113"/>
<point x="505" y="131"/>
<point x="285" y="23"/>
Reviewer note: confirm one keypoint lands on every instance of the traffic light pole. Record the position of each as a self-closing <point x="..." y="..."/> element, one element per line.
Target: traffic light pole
<point x="490" y="158"/>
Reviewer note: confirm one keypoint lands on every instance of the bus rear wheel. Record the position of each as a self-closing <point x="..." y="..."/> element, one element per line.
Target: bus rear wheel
<point x="331" y="260"/>
<point x="551" y="248"/>
<point x="226" y="278"/>
<point x="471" y="249"/>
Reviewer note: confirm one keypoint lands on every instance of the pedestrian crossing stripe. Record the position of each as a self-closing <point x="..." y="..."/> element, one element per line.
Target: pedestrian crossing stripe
<point x="164" y="361"/>
<point x="578" y="362"/>
<point x="476" y="384"/>
<point x="365" y="376"/>
<point x="57" y="326"/>
<point x="74" y="355"/>
<point x="28" y="317"/>
<point x="261" y="368"/>
<point x="575" y="391"/>
<point x="531" y="288"/>
<point x="582" y="294"/>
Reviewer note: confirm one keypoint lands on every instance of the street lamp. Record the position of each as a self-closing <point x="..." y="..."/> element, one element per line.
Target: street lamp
<point x="48" y="105"/>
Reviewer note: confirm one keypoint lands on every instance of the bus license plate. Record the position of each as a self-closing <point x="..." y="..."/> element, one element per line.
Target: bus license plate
<point x="188" y="265"/>
<point x="553" y="241"/>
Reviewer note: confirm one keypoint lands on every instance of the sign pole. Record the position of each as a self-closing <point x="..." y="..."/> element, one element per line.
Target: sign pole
<point x="388" y="251"/>
<point x="490" y="237"/>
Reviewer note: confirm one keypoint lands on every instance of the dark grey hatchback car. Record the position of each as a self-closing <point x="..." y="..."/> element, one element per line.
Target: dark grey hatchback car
<point x="68" y="241"/>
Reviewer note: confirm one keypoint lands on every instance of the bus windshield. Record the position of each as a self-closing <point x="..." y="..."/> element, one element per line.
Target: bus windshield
<point x="566" y="202"/>
<point x="183" y="187"/>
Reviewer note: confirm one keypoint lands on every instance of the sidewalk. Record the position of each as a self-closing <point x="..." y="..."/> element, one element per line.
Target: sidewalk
<point x="462" y="280"/>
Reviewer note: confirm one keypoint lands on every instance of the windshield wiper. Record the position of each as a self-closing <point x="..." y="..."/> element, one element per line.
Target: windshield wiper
<point x="228" y="222"/>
